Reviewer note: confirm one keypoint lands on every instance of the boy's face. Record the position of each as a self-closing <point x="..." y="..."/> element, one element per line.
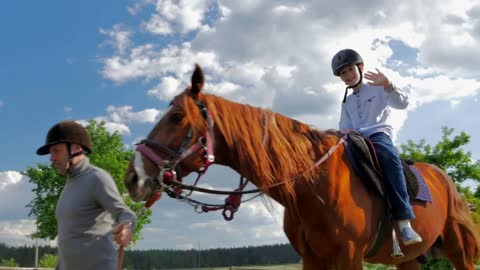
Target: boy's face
<point x="350" y="75"/>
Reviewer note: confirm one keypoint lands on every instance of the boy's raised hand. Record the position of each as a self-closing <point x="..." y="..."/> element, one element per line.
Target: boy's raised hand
<point x="378" y="79"/>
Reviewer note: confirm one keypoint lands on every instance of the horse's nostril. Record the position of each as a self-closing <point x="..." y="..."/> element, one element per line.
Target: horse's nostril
<point x="131" y="182"/>
<point x="133" y="178"/>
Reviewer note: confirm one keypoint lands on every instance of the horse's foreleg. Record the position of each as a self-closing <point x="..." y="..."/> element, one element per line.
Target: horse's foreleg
<point x="410" y="265"/>
<point x="349" y="258"/>
<point x="315" y="263"/>
<point x="296" y="235"/>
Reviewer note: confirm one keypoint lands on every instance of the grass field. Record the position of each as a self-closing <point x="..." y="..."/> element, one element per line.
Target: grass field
<point x="278" y="267"/>
<point x="256" y="267"/>
<point x="294" y="267"/>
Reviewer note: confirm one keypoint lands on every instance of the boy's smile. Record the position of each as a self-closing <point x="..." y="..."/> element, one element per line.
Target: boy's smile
<point x="350" y="75"/>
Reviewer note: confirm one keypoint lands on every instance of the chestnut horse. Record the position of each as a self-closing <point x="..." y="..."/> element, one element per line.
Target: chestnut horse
<point x="331" y="217"/>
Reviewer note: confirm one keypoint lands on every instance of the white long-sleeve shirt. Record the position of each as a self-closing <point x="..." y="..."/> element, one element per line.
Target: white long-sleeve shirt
<point x="368" y="110"/>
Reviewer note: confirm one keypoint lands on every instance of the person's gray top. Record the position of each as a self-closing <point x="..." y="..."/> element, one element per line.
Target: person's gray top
<point x="88" y="208"/>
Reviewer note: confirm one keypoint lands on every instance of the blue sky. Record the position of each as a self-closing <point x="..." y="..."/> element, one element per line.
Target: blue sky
<point x="122" y="61"/>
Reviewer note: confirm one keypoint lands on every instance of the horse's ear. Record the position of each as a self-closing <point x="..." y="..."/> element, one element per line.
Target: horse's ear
<point x="198" y="80"/>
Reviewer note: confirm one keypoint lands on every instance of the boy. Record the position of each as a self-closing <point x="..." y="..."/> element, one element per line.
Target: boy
<point x="368" y="111"/>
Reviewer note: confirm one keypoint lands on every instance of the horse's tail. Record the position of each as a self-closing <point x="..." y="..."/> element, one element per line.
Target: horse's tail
<point x="459" y="213"/>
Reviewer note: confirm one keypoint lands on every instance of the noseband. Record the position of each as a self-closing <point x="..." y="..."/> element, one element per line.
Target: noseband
<point x="168" y="168"/>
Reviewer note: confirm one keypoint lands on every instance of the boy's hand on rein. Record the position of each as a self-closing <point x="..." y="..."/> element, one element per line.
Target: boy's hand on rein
<point x="378" y="79"/>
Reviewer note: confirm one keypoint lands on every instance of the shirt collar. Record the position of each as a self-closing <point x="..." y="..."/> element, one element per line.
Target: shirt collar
<point x="79" y="168"/>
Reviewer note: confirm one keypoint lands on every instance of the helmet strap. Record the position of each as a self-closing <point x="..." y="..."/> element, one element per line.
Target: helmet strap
<point x="71" y="156"/>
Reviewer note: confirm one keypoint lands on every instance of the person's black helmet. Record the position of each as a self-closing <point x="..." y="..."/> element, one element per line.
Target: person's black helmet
<point x="66" y="132"/>
<point x="346" y="57"/>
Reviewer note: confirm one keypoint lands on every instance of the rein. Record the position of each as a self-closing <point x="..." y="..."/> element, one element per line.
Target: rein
<point x="171" y="184"/>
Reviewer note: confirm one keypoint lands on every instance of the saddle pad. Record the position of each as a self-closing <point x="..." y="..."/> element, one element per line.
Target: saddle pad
<point x="423" y="193"/>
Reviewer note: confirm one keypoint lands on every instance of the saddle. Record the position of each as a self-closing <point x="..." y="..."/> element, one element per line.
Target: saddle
<point x="365" y="163"/>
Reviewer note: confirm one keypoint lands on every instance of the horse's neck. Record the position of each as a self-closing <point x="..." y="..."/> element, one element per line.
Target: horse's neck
<point x="233" y="156"/>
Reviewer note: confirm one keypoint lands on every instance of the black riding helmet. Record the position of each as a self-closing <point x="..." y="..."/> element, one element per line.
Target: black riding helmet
<point x="346" y="57"/>
<point x="66" y="132"/>
<point x="343" y="58"/>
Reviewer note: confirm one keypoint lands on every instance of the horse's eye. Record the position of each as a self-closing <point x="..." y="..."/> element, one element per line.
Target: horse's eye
<point x="176" y="118"/>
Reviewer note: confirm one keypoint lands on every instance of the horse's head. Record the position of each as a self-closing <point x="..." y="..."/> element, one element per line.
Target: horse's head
<point x="180" y="143"/>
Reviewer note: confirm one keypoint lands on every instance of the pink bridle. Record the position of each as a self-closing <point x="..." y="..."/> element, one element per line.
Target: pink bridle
<point x="168" y="168"/>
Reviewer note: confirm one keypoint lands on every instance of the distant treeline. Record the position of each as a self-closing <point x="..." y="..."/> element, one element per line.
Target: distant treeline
<point x="168" y="259"/>
<point x="220" y="257"/>
<point x="24" y="256"/>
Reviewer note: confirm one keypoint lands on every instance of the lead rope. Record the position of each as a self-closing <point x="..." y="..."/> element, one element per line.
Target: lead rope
<point x="121" y="251"/>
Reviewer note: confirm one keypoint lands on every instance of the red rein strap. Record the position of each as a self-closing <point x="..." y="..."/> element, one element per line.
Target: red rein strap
<point x="232" y="202"/>
<point x="153" y="199"/>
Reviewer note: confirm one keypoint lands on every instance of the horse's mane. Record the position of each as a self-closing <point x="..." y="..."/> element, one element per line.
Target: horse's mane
<point x="290" y="149"/>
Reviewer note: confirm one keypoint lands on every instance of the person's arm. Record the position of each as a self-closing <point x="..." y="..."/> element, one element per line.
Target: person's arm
<point x="107" y="195"/>
<point x="397" y="98"/>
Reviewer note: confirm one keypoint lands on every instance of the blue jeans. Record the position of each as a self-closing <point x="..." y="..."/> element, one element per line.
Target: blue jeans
<point x="393" y="177"/>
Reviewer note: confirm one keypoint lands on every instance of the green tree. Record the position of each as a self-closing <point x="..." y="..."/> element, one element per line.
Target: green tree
<point x="48" y="261"/>
<point x="109" y="153"/>
<point x="10" y="262"/>
<point x="449" y="155"/>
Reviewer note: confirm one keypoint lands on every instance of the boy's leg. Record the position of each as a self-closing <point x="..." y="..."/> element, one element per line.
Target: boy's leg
<point x="396" y="186"/>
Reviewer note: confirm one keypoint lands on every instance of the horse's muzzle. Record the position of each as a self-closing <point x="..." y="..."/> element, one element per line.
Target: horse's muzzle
<point x="131" y="183"/>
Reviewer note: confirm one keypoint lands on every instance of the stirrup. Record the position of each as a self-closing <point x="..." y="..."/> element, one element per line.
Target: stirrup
<point x="397" y="252"/>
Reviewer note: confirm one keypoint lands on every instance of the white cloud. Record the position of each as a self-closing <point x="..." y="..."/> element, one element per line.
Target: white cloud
<point x="150" y="62"/>
<point x="15" y="226"/>
<point x="17" y="233"/>
<point x="119" y="38"/>
<point x="166" y="90"/>
<point x="158" y="25"/>
<point x="138" y="5"/>
<point x="125" y="114"/>
<point x="224" y="88"/>
<point x="111" y="127"/>
<point x="8" y="178"/>
<point x="282" y="9"/>
<point x="117" y="118"/>
<point x="1" y="103"/>
<point x="122" y="129"/>
<point x="182" y="15"/>
<point x="288" y="66"/>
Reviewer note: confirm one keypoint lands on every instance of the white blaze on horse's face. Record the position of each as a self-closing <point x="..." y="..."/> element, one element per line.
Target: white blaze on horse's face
<point x="139" y="168"/>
